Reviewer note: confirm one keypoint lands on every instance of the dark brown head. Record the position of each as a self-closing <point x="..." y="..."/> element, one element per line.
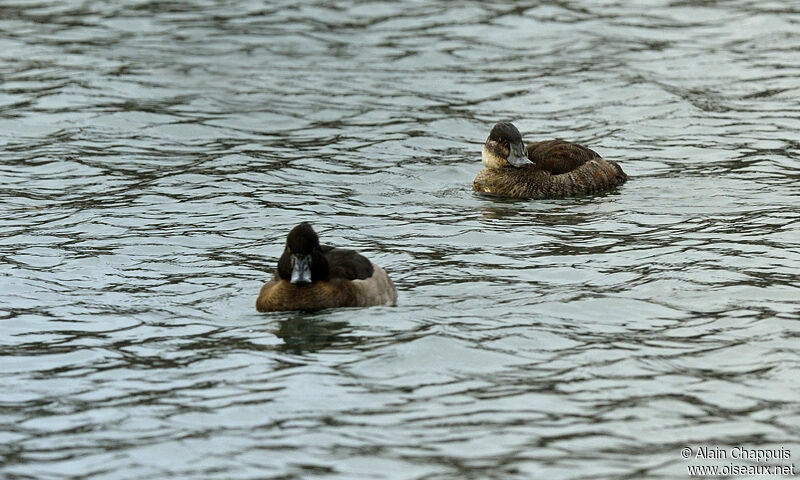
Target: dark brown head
<point x="504" y="148"/>
<point x="302" y="261"/>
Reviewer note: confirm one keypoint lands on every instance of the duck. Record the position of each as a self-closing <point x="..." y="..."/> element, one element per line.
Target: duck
<point x="546" y="169"/>
<point x="311" y="277"/>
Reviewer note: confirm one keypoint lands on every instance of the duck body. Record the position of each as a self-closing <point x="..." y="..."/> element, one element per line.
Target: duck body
<point x="552" y="168"/>
<point x="311" y="276"/>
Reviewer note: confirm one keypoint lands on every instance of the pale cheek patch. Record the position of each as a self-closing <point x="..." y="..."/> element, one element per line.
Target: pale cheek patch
<point x="491" y="160"/>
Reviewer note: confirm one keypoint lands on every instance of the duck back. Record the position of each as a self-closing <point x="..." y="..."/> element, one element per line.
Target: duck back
<point x="347" y="264"/>
<point x="559" y="156"/>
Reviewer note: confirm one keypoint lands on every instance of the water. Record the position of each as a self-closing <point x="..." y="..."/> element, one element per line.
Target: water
<point x="155" y="154"/>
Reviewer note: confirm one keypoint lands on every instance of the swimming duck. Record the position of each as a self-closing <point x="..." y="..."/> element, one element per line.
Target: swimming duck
<point x="311" y="276"/>
<point x="552" y="168"/>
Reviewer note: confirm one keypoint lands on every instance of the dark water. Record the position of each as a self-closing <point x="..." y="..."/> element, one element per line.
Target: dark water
<point x="154" y="154"/>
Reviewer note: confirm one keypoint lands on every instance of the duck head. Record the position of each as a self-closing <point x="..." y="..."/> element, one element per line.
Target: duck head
<point x="504" y="148"/>
<point x="302" y="261"/>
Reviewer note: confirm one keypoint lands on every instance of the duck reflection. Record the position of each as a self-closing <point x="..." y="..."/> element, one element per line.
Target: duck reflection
<point x="519" y="213"/>
<point x="309" y="333"/>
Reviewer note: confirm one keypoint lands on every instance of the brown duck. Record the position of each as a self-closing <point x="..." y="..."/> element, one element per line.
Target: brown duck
<point x="311" y="276"/>
<point x="553" y="168"/>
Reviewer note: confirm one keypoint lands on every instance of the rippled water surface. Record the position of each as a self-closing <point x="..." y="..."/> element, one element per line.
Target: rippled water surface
<point x="154" y="154"/>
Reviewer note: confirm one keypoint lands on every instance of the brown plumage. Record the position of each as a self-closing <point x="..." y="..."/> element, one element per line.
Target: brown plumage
<point x="552" y="168"/>
<point x="311" y="276"/>
<point x="279" y="294"/>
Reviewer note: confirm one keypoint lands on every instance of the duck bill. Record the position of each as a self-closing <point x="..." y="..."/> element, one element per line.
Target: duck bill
<point x="301" y="271"/>
<point x="517" y="157"/>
